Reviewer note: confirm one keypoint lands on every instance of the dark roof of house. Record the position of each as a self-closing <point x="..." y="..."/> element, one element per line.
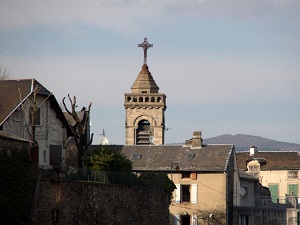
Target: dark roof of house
<point x="210" y="158"/>
<point x="70" y="118"/>
<point x="275" y="160"/>
<point x="10" y="91"/>
<point x="246" y="176"/>
<point x="5" y="135"/>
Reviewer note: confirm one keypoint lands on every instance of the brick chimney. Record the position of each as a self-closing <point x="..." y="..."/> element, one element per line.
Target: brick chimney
<point x="196" y="141"/>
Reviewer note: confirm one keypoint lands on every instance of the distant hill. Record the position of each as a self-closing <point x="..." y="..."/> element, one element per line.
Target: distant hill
<point x="243" y="142"/>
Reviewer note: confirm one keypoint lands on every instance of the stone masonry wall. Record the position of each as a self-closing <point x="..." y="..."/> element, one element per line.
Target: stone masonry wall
<point x="102" y="204"/>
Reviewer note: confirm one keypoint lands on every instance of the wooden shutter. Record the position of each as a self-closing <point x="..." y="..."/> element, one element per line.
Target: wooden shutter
<point x="177" y="193"/>
<point x="293" y="188"/>
<point x="194" y="176"/>
<point x="177" y="220"/>
<point x="194" y="194"/>
<point x="55" y="155"/>
<point x="194" y="220"/>
<point x="274" y="192"/>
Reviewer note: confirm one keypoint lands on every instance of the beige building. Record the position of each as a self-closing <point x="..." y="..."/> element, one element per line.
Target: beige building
<point x="205" y="176"/>
<point x="279" y="171"/>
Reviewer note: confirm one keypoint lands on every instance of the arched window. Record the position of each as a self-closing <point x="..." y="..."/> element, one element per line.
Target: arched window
<point x="143" y="133"/>
<point x="128" y="99"/>
<point x="141" y="99"/>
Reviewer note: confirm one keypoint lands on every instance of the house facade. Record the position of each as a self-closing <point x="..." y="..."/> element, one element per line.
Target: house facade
<point x="278" y="171"/>
<point x="26" y="104"/>
<point x="205" y="176"/>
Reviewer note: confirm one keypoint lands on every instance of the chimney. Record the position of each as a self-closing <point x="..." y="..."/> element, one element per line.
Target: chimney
<point x="252" y="150"/>
<point x="196" y="141"/>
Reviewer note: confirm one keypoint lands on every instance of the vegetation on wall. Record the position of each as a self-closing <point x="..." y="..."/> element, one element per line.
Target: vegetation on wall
<point x="15" y="186"/>
<point x="106" y="158"/>
<point x="159" y="180"/>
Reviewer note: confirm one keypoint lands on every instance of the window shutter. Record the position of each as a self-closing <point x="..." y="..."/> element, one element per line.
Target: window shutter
<point x="194" y="176"/>
<point x="177" y="193"/>
<point x="194" y="193"/>
<point x="177" y="220"/>
<point x="194" y="220"/>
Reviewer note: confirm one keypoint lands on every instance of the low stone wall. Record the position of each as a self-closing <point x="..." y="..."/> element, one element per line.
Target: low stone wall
<point x="102" y="204"/>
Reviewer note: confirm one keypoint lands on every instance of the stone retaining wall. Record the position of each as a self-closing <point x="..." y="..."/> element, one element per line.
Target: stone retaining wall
<point x="102" y="204"/>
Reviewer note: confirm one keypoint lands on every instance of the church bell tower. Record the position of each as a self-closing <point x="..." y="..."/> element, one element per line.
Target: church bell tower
<point x="145" y="108"/>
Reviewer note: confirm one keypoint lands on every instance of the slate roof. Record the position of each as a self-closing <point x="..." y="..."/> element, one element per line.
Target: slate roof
<point x="70" y="118"/>
<point x="276" y="160"/>
<point x="10" y="98"/>
<point x="5" y="135"/>
<point x="210" y="158"/>
<point x="246" y="176"/>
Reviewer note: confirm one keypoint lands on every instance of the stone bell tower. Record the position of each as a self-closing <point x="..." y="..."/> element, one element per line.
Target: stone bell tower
<point x="145" y="108"/>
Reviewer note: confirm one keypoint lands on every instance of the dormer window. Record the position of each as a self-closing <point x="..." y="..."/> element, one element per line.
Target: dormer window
<point x="190" y="156"/>
<point x="136" y="156"/>
<point x="293" y="174"/>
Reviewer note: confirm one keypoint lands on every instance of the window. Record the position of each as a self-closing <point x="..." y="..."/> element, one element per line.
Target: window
<point x="293" y="174"/>
<point x="243" y="220"/>
<point x="190" y="156"/>
<point x="186" y="193"/>
<point x="37" y="117"/>
<point x="293" y="189"/>
<point x="186" y="196"/>
<point x="136" y="156"/>
<point x="44" y="156"/>
<point x="185" y="175"/>
<point x="254" y="170"/>
<point x="185" y="219"/>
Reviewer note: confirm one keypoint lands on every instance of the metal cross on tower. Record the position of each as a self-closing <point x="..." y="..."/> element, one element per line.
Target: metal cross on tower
<point x="145" y="45"/>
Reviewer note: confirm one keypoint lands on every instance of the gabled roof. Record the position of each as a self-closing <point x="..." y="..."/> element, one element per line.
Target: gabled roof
<point x="209" y="158"/>
<point x="10" y="97"/>
<point x="275" y="160"/>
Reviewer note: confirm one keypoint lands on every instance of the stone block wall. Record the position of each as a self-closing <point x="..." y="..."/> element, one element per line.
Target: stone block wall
<point x="102" y="204"/>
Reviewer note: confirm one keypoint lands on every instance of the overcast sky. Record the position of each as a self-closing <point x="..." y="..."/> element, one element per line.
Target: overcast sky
<point x="226" y="66"/>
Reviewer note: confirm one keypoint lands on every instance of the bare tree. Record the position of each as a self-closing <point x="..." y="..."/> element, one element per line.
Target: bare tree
<point x="32" y="116"/>
<point x="212" y="216"/>
<point x="4" y="75"/>
<point x="82" y="140"/>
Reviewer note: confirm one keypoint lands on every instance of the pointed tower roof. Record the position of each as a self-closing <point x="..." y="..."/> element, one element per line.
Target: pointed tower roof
<point x="144" y="83"/>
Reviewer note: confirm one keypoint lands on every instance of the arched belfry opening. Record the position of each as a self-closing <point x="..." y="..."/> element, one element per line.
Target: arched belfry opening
<point x="143" y="133"/>
<point x="145" y="103"/>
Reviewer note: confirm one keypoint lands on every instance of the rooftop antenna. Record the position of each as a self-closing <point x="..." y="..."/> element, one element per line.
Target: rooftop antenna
<point x="103" y="139"/>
